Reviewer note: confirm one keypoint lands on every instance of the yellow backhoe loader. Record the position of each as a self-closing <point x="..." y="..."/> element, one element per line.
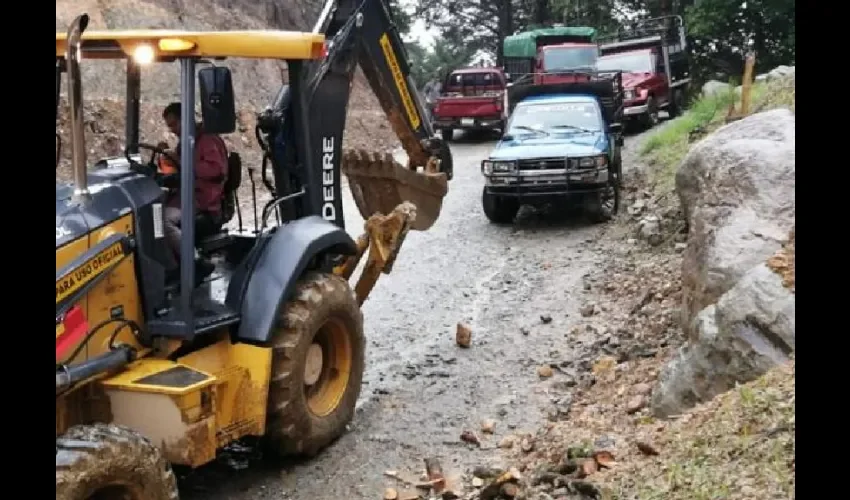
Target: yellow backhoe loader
<point x="157" y="367"/>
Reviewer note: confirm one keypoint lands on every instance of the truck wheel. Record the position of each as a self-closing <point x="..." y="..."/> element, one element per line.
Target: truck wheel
<point x="106" y="461"/>
<point x="650" y="118"/>
<point x="447" y="134"/>
<point x="605" y="205"/>
<point x="317" y="366"/>
<point x="499" y="210"/>
<point x="677" y="103"/>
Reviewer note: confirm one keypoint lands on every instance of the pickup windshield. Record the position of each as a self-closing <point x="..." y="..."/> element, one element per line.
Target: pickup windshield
<point x="633" y="62"/>
<point x="566" y="58"/>
<point x="583" y="116"/>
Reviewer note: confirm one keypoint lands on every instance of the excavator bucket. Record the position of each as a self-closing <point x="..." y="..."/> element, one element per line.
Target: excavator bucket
<point x="379" y="184"/>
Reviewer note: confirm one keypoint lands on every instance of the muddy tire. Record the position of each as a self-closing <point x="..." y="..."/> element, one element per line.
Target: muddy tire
<point x="650" y="118"/>
<point x="677" y="103"/>
<point x="317" y="366"/>
<point x="447" y="134"/>
<point x="605" y="205"/>
<point x="497" y="209"/>
<point x="110" y="462"/>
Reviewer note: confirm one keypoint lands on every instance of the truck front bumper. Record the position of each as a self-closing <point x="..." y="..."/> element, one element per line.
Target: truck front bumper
<point x="635" y="109"/>
<point x="470" y="123"/>
<point x="540" y="186"/>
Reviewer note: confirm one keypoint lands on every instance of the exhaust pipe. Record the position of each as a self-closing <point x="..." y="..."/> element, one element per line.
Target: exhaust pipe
<point x="73" y="55"/>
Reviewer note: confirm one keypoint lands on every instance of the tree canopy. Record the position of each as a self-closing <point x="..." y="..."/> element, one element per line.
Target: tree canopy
<point x="720" y="32"/>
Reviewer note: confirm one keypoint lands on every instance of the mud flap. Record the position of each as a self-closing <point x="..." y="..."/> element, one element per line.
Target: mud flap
<point x="379" y="184"/>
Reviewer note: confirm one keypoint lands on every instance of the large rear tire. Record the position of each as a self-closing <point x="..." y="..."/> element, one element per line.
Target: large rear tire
<point x="499" y="210"/>
<point x="317" y="366"/>
<point x="110" y="462"/>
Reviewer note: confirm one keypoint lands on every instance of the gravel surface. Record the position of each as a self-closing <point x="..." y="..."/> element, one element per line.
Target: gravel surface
<point x="521" y="290"/>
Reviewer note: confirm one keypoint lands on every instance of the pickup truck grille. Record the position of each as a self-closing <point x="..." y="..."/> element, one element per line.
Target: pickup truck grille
<point x="550" y="164"/>
<point x="541" y="164"/>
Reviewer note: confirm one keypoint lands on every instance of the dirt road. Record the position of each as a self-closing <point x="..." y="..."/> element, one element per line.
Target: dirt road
<point x="520" y="288"/>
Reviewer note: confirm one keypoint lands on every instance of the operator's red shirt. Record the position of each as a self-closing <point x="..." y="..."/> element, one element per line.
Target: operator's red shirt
<point x="210" y="172"/>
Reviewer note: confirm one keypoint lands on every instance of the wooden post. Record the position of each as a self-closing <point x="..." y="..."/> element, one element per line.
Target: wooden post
<point x="747" y="84"/>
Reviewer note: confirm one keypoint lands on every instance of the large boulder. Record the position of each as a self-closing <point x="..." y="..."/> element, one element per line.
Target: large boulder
<point x="714" y="87"/>
<point x="750" y="330"/>
<point x="736" y="188"/>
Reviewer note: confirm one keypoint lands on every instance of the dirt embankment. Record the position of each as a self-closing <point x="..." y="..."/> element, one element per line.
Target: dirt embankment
<point x="255" y="82"/>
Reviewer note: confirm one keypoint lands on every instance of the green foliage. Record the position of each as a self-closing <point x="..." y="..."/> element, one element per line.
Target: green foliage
<point x="721" y="29"/>
<point x="401" y="17"/>
<point x="666" y="148"/>
<point x="436" y="63"/>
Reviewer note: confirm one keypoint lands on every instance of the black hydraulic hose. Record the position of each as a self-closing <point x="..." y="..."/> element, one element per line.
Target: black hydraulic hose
<point x="66" y="375"/>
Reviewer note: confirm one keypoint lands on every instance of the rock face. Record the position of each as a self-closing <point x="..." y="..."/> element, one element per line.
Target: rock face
<point x="736" y="188"/>
<point x="749" y="330"/>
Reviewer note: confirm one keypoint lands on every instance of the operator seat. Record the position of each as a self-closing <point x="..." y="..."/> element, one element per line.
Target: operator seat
<point x="209" y="233"/>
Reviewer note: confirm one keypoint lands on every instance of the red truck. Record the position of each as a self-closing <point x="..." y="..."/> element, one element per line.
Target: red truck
<point x="560" y="54"/>
<point x="654" y="63"/>
<point x="471" y="99"/>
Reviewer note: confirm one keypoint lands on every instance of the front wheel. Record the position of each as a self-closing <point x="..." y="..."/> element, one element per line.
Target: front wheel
<point x="106" y="461"/>
<point x="499" y="210"/>
<point x="650" y="118"/>
<point x="605" y="204"/>
<point x="317" y="366"/>
<point x="677" y="103"/>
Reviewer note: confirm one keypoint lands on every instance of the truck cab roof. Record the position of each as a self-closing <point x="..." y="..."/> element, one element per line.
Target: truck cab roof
<point x="557" y="99"/>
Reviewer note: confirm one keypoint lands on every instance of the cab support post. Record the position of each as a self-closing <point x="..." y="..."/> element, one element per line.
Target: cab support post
<point x="187" y="193"/>
<point x="133" y="98"/>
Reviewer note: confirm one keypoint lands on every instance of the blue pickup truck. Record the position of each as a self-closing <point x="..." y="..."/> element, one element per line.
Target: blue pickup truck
<point x="562" y="141"/>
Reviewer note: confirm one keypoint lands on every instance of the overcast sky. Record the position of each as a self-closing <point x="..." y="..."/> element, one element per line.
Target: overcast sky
<point x="417" y="29"/>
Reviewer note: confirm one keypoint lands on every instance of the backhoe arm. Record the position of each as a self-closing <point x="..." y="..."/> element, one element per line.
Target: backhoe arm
<point x="303" y="137"/>
<point x="383" y="60"/>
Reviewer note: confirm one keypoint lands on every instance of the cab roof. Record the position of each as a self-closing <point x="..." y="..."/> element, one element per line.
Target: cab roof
<point x="169" y="44"/>
<point x="558" y="99"/>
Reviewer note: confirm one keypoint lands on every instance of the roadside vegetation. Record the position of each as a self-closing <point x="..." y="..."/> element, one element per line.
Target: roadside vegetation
<point x="665" y="149"/>
<point x="739" y="446"/>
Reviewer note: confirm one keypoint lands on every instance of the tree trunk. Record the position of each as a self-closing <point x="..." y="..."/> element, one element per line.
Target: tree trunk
<point x="541" y="12"/>
<point x="506" y="28"/>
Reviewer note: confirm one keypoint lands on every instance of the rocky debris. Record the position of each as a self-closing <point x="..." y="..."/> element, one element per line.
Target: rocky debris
<point x="470" y="437"/>
<point x="649" y="230"/>
<point x="463" y="335"/>
<point x="646" y="448"/>
<point x="544" y="371"/>
<point x="390" y="494"/>
<point x="736" y="188"/>
<point x="587" y="310"/>
<point x="488" y="426"/>
<point x="507" y="442"/>
<point x="545" y="319"/>
<point x="714" y="87"/>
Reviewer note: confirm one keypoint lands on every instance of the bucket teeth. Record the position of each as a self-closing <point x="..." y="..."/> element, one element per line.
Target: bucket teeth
<point x="379" y="184"/>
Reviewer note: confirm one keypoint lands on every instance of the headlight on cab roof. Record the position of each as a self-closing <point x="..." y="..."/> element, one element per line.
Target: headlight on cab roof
<point x="497" y="167"/>
<point x="593" y="161"/>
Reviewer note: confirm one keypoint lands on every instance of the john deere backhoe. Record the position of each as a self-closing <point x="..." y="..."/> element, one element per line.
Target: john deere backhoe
<point x="152" y="372"/>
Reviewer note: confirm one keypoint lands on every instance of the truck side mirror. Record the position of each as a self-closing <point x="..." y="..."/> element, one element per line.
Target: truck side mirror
<point x="218" y="106"/>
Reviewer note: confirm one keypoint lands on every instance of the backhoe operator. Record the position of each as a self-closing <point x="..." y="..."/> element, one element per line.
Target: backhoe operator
<point x="210" y="175"/>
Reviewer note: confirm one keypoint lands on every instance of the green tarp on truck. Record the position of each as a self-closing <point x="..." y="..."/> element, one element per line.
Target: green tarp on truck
<point x="525" y="44"/>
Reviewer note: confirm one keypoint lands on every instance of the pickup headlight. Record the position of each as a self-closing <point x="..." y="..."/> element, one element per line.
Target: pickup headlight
<point x="629" y="94"/>
<point x="491" y="167"/>
<point x="593" y="161"/>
